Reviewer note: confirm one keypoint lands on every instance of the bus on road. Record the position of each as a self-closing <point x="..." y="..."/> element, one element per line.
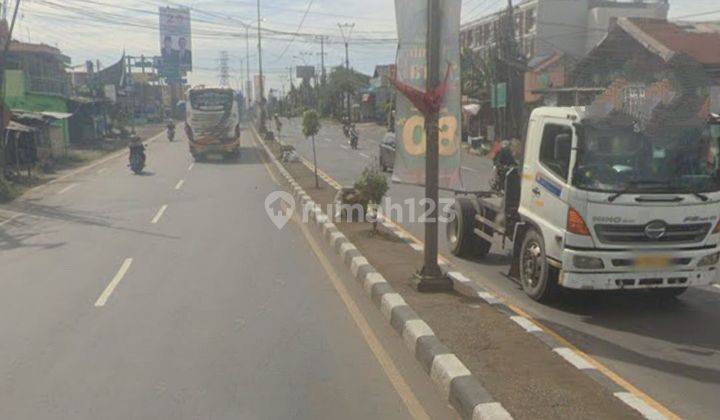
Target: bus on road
<point x="212" y="123"/>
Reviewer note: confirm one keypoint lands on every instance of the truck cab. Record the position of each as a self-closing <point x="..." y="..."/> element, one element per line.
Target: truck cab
<point x="608" y="207"/>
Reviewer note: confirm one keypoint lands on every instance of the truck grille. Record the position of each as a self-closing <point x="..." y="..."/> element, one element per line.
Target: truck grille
<point x="635" y="234"/>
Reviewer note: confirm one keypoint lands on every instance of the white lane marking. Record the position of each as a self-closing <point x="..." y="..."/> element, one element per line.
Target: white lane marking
<point x="364" y="155"/>
<point x="68" y="188"/>
<point x="465" y="168"/>
<point x="101" y="171"/>
<point x="114" y="282"/>
<point x="179" y="184"/>
<point x="639" y="405"/>
<point x="525" y="323"/>
<point x="13" y="217"/>
<point x="573" y="358"/>
<point x="192" y="165"/>
<point x="344" y="147"/>
<point x="717" y="286"/>
<point x="159" y="214"/>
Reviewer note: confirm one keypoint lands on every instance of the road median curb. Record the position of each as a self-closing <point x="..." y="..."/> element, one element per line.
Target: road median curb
<point x="455" y="382"/>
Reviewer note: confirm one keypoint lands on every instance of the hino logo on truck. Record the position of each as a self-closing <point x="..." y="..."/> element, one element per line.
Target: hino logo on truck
<point x="656" y="229"/>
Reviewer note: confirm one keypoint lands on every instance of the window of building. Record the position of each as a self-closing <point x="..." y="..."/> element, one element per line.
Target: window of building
<point x="555" y="149"/>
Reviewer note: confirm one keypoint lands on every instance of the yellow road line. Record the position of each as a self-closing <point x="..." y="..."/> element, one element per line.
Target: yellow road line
<point x="159" y="214"/>
<point x="391" y="371"/>
<point x="102" y="300"/>
<point x="179" y="184"/>
<point x="604" y="369"/>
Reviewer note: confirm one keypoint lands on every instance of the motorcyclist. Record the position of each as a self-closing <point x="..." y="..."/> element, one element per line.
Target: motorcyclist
<point x="346" y="127"/>
<point x="136" y="146"/>
<point x="502" y="163"/>
<point x="278" y="123"/>
<point x="170" y="130"/>
<point x="354" y="136"/>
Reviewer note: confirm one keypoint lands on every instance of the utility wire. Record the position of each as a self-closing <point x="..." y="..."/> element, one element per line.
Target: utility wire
<point x="302" y="21"/>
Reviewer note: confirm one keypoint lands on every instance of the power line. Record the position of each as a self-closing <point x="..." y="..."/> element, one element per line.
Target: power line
<point x="282" y="54"/>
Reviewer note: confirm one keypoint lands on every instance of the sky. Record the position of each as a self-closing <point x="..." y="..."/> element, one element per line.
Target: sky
<point x="103" y="29"/>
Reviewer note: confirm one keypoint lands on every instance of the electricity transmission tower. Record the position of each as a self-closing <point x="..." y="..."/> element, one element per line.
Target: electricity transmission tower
<point x="224" y="69"/>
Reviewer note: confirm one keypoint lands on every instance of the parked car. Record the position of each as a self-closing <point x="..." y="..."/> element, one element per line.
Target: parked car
<point x="387" y="152"/>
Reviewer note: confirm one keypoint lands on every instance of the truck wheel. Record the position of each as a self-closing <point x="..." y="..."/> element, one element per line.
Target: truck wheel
<point x="538" y="279"/>
<point x="460" y="231"/>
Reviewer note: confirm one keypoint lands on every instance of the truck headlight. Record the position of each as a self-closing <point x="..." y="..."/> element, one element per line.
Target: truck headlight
<point x="588" y="263"/>
<point x="711" y="259"/>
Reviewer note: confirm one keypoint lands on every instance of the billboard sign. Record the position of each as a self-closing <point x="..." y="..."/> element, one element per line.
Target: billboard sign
<point x="411" y="70"/>
<point x="305" y="72"/>
<point x="175" y="42"/>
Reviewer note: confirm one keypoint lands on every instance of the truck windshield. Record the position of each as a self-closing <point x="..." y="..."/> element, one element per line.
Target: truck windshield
<point x="682" y="160"/>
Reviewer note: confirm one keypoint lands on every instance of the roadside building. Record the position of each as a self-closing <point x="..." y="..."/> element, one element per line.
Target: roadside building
<point x="36" y="82"/>
<point x="550" y="37"/>
<point x="651" y="47"/>
<point x="571" y="27"/>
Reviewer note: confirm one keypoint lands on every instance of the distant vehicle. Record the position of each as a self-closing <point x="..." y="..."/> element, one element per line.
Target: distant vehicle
<point x="212" y="123"/>
<point x="387" y="152"/>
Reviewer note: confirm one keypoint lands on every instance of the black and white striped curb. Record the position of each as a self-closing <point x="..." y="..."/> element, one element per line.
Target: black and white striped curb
<point x="463" y="285"/>
<point x="455" y="382"/>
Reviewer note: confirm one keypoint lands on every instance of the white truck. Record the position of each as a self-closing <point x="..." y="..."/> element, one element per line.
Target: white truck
<point x="601" y="207"/>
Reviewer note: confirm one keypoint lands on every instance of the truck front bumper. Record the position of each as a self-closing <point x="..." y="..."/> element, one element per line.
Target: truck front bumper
<point x="215" y="147"/>
<point x="619" y="273"/>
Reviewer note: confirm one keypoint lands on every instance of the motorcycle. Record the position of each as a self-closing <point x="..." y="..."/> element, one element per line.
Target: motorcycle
<point x="354" y="140"/>
<point x="171" y="134"/>
<point x="346" y="131"/>
<point x="137" y="158"/>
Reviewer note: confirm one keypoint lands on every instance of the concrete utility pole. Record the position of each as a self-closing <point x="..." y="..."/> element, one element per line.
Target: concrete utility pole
<point x="346" y="32"/>
<point x="247" y="63"/>
<point x="262" y="82"/>
<point x="322" y="60"/>
<point x="431" y="278"/>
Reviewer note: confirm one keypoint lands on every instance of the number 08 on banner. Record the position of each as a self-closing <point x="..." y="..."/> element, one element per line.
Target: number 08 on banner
<point x="414" y="139"/>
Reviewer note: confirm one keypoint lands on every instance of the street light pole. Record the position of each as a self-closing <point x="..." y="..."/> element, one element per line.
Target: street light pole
<point x="431" y="278"/>
<point x="262" y="82"/>
<point x="346" y="39"/>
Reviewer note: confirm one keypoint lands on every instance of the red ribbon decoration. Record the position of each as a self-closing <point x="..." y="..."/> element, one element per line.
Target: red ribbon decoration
<point x="426" y="102"/>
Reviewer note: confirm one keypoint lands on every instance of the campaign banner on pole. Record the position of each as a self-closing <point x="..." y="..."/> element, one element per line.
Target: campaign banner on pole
<point x="411" y="148"/>
<point x="175" y="42"/>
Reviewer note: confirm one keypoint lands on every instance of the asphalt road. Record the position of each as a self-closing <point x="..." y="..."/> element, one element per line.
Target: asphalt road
<point x="669" y="350"/>
<point x="172" y="295"/>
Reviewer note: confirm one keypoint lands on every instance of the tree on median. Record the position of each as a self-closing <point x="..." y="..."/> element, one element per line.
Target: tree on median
<point x="310" y="128"/>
